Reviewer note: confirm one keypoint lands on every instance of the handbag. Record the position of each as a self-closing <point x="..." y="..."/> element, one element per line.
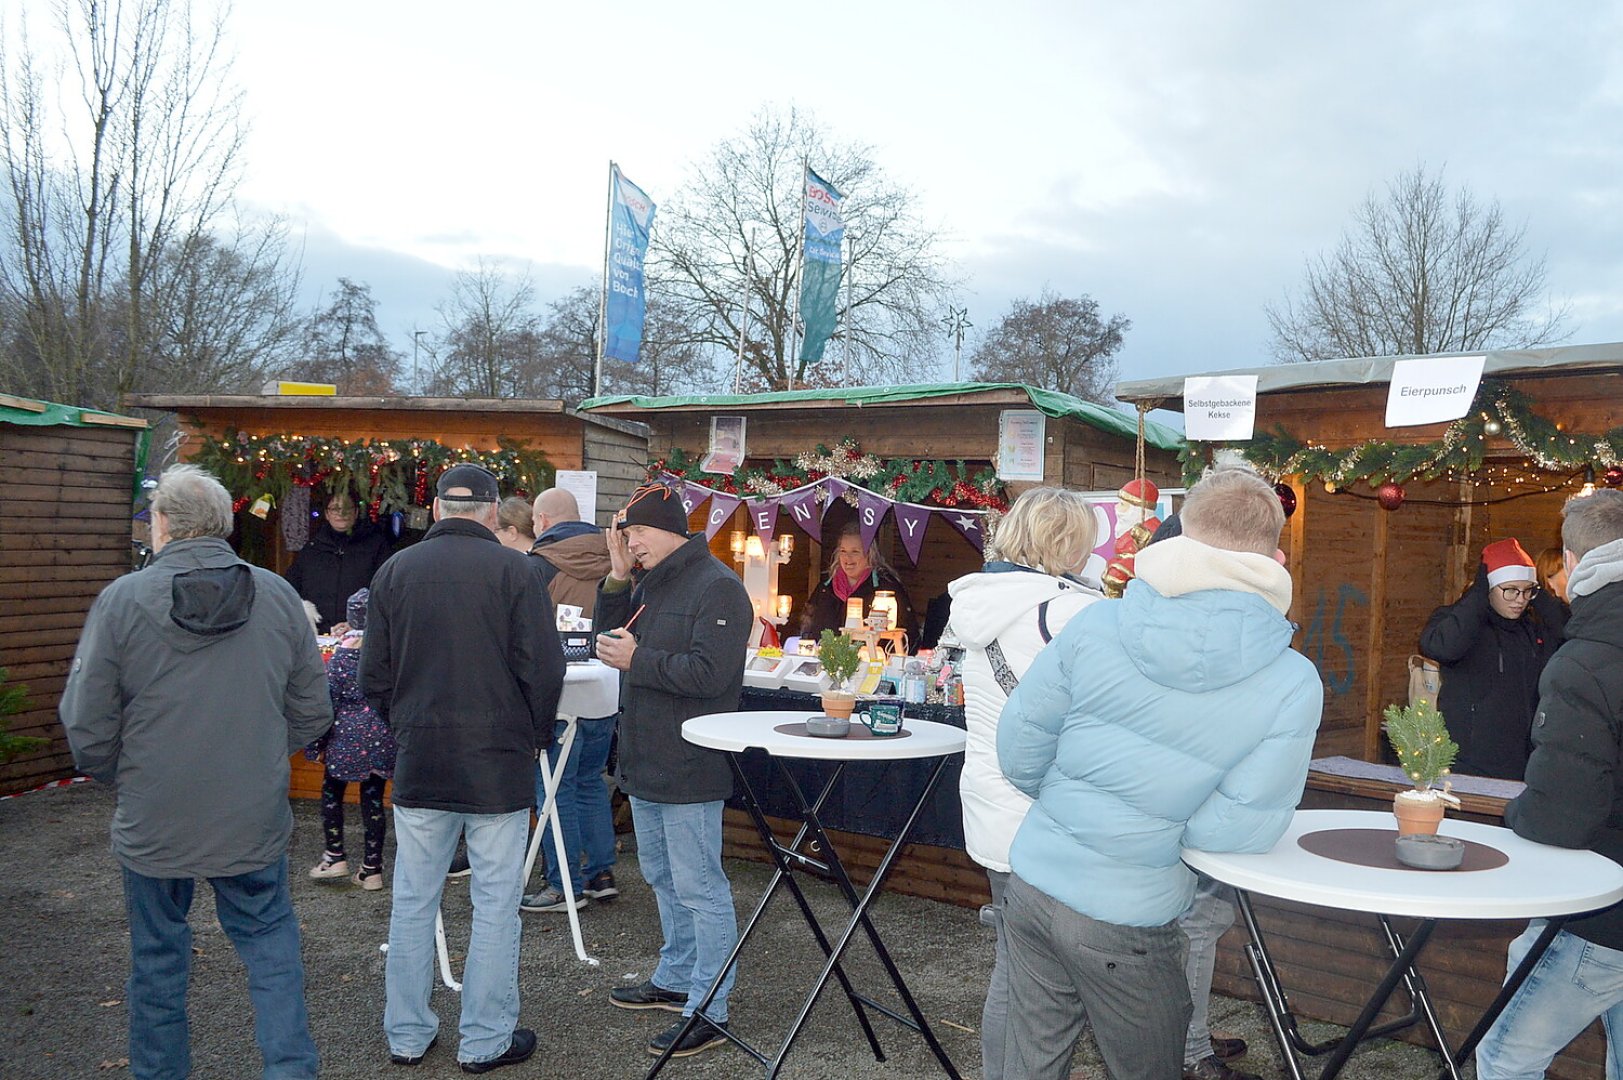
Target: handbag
<point x="1425" y="680"/>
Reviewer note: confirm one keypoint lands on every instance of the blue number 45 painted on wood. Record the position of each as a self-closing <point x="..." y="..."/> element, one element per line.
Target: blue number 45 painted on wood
<point x="1318" y="639"/>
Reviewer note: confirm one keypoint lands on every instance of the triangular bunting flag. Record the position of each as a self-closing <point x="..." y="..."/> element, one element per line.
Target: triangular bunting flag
<point x="722" y="506"/>
<point x="871" y="510"/>
<point x="911" y="522"/>
<point x="971" y="527"/>
<point x="763" y="515"/>
<point x="802" y="508"/>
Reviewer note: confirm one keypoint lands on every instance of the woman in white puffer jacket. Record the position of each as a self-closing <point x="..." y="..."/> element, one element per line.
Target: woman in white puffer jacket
<point x="1003" y="616"/>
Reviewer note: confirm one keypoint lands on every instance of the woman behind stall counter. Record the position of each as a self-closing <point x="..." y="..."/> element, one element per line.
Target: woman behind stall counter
<point x="342" y="555"/>
<point x="860" y="572"/>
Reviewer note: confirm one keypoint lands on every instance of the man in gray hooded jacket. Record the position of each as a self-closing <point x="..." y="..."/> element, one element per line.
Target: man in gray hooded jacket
<point x="193" y="682"/>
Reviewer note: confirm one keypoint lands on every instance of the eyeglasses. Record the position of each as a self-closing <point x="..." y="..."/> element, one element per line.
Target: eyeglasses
<point x="1511" y="592"/>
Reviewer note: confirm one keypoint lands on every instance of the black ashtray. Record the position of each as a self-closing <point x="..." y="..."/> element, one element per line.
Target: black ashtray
<point x="1425" y="852"/>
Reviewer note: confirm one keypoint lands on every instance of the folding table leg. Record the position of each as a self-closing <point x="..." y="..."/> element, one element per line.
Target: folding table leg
<point x="1508" y="991"/>
<point x="1420" y="1002"/>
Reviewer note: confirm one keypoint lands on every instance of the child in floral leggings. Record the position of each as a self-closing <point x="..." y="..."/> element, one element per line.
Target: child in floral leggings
<point x="359" y="748"/>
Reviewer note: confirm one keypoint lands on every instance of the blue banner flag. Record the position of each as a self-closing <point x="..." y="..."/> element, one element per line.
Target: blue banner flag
<point x="630" y="215"/>
<point x="820" y="275"/>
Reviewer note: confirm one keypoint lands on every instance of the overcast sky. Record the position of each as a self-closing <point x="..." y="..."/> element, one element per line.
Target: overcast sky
<point x="1176" y="161"/>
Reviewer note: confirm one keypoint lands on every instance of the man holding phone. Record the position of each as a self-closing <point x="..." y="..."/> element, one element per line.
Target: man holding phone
<point x="679" y="634"/>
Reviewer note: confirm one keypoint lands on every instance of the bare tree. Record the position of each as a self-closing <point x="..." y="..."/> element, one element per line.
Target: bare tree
<point x="103" y="202"/>
<point x="343" y="345"/>
<point x="1420" y="270"/>
<point x="748" y="192"/>
<point x="1056" y="343"/>
<point x="490" y="341"/>
<point x="670" y="362"/>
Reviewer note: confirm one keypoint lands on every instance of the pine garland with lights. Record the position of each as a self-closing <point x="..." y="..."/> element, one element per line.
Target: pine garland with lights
<point x="912" y="480"/>
<point x="1499" y="410"/>
<point x="386" y="474"/>
<point x="1420" y="738"/>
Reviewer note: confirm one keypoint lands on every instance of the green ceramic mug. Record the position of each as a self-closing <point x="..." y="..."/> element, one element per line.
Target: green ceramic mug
<point x="883" y="718"/>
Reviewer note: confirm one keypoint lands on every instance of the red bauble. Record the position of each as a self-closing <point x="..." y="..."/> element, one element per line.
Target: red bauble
<point x="1389" y="495"/>
<point x="1287" y="497"/>
<point x="1614" y="476"/>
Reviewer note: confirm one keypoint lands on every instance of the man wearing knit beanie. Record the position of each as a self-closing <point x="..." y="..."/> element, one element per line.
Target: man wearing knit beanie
<point x="1492" y="644"/>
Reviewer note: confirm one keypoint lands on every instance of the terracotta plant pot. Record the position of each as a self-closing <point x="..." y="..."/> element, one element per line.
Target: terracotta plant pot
<point x="1418" y="813"/>
<point x="839" y="703"/>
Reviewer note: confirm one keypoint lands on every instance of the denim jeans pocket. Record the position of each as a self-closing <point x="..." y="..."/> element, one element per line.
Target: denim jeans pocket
<point x="1600" y="972"/>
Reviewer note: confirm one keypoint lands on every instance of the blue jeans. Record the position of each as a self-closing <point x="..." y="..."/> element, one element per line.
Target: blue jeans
<point x="425" y="841"/>
<point x="583" y="804"/>
<point x="256" y="913"/>
<point x="679" y="848"/>
<point x="1572" y="983"/>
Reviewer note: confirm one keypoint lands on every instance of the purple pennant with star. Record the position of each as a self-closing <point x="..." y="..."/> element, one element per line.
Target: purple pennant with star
<point x="763" y="515"/>
<point x="803" y="510"/>
<point x="722" y="506"/>
<point x="971" y="527"/>
<point x="911" y="521"/>
<point x="871" y="510"/>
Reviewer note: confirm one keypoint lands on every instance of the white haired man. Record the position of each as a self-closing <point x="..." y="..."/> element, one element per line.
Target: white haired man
<point x="194" y="680"/>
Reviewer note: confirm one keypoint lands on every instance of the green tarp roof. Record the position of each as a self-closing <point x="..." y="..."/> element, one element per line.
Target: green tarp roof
<point x="1048" y="402"/>
<point x="52" y="415"/>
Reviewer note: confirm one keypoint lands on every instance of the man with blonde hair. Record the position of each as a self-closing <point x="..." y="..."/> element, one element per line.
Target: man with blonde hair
<point x="1175" y="717"/>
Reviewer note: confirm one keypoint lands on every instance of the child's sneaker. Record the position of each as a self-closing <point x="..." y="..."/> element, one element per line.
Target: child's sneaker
<point x="601" y="887"/>
<point x="369" y="879"/>
<point x="330" y="867"/>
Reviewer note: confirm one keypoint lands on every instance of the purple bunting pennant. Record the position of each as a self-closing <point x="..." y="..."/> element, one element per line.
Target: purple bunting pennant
<point x="763" y="515"/>
<point x="693" y="495"/>
<point x="803" y="511"/>
<point x="911" y="522"/>
<point x="722" y="506"/>
<point x="871" y="510"/>
<point x="971" y="527"/>
<point x="835" y="488"/>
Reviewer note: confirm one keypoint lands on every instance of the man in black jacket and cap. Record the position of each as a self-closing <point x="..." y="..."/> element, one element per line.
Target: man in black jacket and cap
<point x="679" y="636"/>
<point x="461" y="657"/>
<point x="1574" y="799"/>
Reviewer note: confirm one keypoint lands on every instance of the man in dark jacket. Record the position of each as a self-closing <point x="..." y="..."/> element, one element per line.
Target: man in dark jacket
<point x="461" y="657"/>
<point x="1492" y="644"/>
<point x="1574" y="799"/>
<point x="193" y="682"/>
<point x="679" y="636"/>
<point x="340" y="559"/>
<point x="574" y="557"/>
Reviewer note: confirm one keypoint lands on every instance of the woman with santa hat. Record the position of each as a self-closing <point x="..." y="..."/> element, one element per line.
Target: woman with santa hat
<point x="1492" y="645"/>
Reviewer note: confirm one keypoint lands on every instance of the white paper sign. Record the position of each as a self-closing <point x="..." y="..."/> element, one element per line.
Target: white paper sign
<point x="1432" y="390"/>
<point x="1220" y="407"/>
<point x="583" y="485"/>
<point x="1020" y="441"/>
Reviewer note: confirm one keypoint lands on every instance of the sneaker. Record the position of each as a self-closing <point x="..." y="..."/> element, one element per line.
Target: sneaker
<point x="414" y="1059"/>
<point x="647" y="996"/>
<point x="705" y="1035"/>
<point x="459" y="866"/>
<point x="550" y="899"/>
<point x="1226" y="1047"/>
<point x="601" y="887"/>
<point x="330" y="867"/>
<point x="1209" y="1068"/>
<point x="370" y="880"/>
<point x="520" y="1049"/>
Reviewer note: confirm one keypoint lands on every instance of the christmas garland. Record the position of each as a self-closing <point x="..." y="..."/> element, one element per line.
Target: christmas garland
<point x="912" y="480"/>
<point x="1499" y="410"/>
<point x="386" y="474"/>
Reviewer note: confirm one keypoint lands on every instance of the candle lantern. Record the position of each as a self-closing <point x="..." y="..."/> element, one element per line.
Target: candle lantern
<point x="736" y="542"/>
<point x="853" y="613"/>
<point x="784" y="604"/>
<point x="786" y="546"/>
<point x="885" y="601"/>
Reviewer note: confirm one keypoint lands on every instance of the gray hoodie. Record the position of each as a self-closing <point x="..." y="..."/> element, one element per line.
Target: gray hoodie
<point x="194" y="680"/>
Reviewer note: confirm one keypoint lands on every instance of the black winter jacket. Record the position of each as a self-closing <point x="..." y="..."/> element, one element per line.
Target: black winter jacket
<point x="1574" y="795"/>
<point x="1491" y="667"/>
<point x="329" y="569"/>
<point x="461" y="657"/>
<point x="826" y="611"/>
<point x="691" y="639"/>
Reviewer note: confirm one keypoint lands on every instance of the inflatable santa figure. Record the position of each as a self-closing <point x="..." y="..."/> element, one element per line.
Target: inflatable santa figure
<point x="1135" y="524"/>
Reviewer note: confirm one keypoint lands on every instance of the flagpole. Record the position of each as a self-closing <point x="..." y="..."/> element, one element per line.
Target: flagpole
<point x="744" y="320"/>
<point x="799" y="270"/>
<point x="603" y="293"/>
<point x="849" y="268"/>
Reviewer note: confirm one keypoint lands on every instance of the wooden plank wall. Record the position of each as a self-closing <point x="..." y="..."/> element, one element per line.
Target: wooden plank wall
<point x="621" y="462"/>
<point x="64" y="535"/>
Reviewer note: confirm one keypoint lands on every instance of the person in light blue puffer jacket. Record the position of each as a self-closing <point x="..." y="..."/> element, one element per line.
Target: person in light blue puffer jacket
<point x="1176" y="717"/>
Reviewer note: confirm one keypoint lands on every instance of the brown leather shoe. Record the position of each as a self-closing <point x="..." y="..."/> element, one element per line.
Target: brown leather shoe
<point x="1227" y="1047"/>
<point x="1209" y="1068"/>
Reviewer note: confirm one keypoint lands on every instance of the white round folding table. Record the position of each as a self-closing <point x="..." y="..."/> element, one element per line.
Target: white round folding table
<point x="782" y="735"/>
<point x="1328" y="858"/>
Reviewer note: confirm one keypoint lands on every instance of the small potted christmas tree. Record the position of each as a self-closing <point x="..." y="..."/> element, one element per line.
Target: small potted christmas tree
<point x="1425" y="753"/>
<point x="841" y="657"/>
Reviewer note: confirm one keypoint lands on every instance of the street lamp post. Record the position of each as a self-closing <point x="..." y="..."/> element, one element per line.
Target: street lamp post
<point x="416" y="340"/>
<point x="956" y="320"/>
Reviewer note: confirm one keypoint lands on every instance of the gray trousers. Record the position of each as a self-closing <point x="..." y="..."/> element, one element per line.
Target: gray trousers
<point x="1208" y="918"/>
<point x="1067" y="970"/>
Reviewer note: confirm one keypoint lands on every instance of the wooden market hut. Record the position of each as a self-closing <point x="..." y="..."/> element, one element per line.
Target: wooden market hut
<point x="69" y="478"/>
<point x="1389" y="524"/>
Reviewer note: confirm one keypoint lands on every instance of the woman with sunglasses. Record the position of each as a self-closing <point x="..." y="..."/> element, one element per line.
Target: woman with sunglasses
<point x="1492" y="645"/>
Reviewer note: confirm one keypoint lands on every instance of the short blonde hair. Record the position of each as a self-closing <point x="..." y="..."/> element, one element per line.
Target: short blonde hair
<point x="1048" y="529"/>
<point x="1234" y="509"/>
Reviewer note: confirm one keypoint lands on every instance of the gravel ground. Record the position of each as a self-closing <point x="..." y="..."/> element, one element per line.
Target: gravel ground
<point x="64" y="957"/>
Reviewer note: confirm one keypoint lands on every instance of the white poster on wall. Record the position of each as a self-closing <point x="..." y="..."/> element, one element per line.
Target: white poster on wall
<point x="581" y="483"/>
<point x="1220" y="408"/>
<point x="1432" y="389"/>
<point x="1021" y="436"/>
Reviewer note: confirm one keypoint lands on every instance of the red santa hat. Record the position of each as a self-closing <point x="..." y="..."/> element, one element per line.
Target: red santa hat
<point x="1506" y="561"/>
<point x="1140" y="493"/>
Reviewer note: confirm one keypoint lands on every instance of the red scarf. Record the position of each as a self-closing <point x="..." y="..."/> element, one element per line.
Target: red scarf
<point x="844" y="586"/>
